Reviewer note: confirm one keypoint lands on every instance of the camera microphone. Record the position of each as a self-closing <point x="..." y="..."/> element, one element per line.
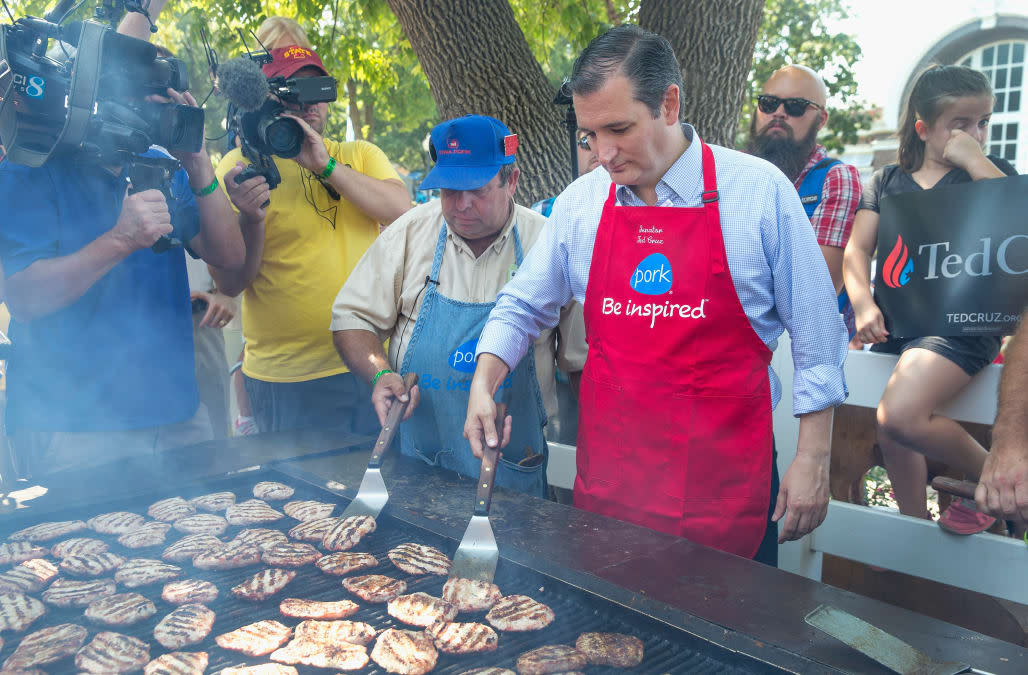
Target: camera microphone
<point x="243" y="83"/>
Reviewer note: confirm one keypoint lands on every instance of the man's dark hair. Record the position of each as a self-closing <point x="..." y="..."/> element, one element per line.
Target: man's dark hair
<point x="645" y="58"/>
<point x="506" y="171"/>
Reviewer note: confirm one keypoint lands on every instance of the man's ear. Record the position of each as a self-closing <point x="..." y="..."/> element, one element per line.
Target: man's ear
<point x="823" y="114"/>
<point x="671" y="107"/>
<point x="512" y="182"/>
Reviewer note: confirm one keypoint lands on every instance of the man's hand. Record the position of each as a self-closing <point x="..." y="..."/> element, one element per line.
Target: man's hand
<point x="220" y="309"/>
<point x="1003" y="487"/>
<point x="313" y="154"/>
<point x="248" y="196"/>
<point x="143" y="220"/>
<point x="480" y="425"/>
<point x="390" y="388"/>
<point x="803" y="496"/>
<point x="962" y="150"/>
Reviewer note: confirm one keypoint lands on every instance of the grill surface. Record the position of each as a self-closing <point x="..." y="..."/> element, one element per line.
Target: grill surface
<point x="667" y="650"/>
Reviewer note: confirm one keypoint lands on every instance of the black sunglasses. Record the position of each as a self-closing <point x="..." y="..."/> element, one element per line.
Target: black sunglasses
<point x="583" y="143"/>
<point x="794" y="107"/>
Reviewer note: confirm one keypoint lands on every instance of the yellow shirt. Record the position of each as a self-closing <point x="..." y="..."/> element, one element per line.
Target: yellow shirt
<point x="309" y="251"/>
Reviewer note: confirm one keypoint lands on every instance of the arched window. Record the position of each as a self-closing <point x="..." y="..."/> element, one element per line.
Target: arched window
<point x="1004" y="64"/>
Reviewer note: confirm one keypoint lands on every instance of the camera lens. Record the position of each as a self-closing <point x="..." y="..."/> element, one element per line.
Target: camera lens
<point x="282" y="135"/>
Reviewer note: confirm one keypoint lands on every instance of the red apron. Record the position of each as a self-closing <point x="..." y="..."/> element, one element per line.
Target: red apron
<point x="674" y="425"/>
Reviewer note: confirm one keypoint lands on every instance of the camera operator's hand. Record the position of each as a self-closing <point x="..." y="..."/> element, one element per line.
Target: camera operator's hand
<point x="143" y="220"/>
<point x="313" y="155"/>
<point x="248" y="196"/>
<point x="220" y="308"/>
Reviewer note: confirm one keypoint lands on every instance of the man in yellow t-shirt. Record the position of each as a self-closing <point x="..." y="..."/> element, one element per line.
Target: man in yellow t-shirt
<point x="299" y="251"/>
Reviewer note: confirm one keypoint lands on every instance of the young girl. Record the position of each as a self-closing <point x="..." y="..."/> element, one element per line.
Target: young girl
<point x="944" y="128"/>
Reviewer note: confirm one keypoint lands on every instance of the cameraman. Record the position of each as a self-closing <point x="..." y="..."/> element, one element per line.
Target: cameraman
<point x="104" y="366"/>
<point x="299" y="251"/>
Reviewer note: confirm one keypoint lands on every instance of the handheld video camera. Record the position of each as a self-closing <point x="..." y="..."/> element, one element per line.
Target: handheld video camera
<point x="270" y="132"/>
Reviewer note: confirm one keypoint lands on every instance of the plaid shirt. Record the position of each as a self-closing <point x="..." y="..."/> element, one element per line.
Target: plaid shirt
<point x="840" y="195"/>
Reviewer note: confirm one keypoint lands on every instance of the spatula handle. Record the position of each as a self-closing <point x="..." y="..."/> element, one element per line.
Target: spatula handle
<point x="392" y="423"/>
<point x="960" y="488"/>
<point x="487" y="475"/>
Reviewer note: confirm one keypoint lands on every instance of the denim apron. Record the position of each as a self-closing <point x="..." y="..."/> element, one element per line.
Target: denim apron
<point x="442" y="353"/>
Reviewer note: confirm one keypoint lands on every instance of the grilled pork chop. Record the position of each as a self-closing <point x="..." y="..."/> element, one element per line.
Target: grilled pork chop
<point x="463" y="638"/>
<point x="264" y="584"/>
<point x="298" y="608"/>
<point x="68" y="593"/>
<point x="308" y="510"/>
<point x="405" y="651"/>
<point x="18" y="611"/>
<point x="214" y="502"/>
<point x="228" y="556"/>
<point x="520" y="613"/>
<point x="78" y="546"/>
<point x="46" y="646"/>
<point x="147" y="534"/>
<point x="118" y="522"/>
<point x="201" y="523"/>
<point x="47" y="531"/>
<point x="93" y="565"/>
<point x="187" y="548"/>
<point x="112" y="653"/>
<point x="420" y="559"/>
<point x="550" y="659"/>
<point x="263" y="669"/>
<point x="272" y="490"/>
<point x="338" y="564"/>
<point x="262" y="537"/>
<point x="375" y="587"/>
<point x="178" y="663"/>
<point x="611" y="649"/>
<point x="14" y="552"/>
<point x="121" y="609"/>
<point x="171" y="509"/>
<point x="354" y="632"/>
<point x="313" y="531"/>
<point x="256" y="639"/>
<point x="251" y="512"/>
<point x="489" y="671"/>
<point x="469" y="595"/>
<point x="420" y="609"/>
<point x="291" y="554"/>
<point x="189" y="590"/>
<point x="334" y="655"/>
<point x="348" y="532"/>
<point x="144" y="571"/>
<point x="30" y="576"/>
<point x="186" y="625"/>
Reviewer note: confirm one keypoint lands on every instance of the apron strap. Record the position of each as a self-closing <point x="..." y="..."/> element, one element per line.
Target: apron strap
<point x="710" y="205"/>
<point x="440" y="246"/>
<point x="518" y="255"/>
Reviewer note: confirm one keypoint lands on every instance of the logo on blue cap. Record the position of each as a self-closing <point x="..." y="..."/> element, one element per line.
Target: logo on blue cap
<point x="469" y="152"/>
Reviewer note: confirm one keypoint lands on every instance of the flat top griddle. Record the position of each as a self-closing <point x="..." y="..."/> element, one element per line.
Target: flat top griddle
<point x="667" y="649"/>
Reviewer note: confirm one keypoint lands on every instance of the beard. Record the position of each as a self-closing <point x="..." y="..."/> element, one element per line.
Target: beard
<point x="785" y="152"/>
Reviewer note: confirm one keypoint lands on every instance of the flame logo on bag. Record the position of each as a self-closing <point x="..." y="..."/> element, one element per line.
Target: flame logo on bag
<point x="898" y="266"/>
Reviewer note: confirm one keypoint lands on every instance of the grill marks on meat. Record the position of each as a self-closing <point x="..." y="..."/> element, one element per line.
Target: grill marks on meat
<point x="348" y="532"/>
<point x="121" y="609"/>
<point x="298" y="608"/>
<point x="313" y="530"/>
<point x="46" y="646"/>
<point x="187" y="548"/>
<point x="520" y="613"/>
<point x="489" y="671"/>
<point x="611" y="649"/>
<point x="264" y="584"/>
<point x="15" y="552"/>
<point x="178" y="663"/>
<point x="186" y="625"/>
<point x="338" y="655"/>
<point x="420" y="559"/>
<point x="78" y="546"/>
<point x="228" y="556"/>
<point x="47" y="531"/>
<point x="263" y="669"/>
<point x="214" y="502"/>
<point x="405" y="651"/>
<point x="147" y="534"/>
<point x="18" y="611"/>
<point x="68" y="593"/>
<point x="202" y="523"/>
<point x="375" y="587"/>
<point x="144" y="571"/>
<point x="469" y="595"/>
<point x="256" y="639"/>
<point x="463" y="638"/>
<point x="338" y="564"/>
<point x="291" y="555"/>
<point x="118" y="522"/>
<point x="353" y="632"/>
<point x="420" y="609"/>
<point x="170" y="510"/>
<point x="94" y="565"/>
<point x="30" y="576"/>
<point x="272" y="490"/>
<point x="251" y="512"/>
<point x="262" y="537"/>
<point x="112" y="653"/>
<point x="308" y="510"/>
<point x="189" y="590"/>
<point x="550" y="659"/>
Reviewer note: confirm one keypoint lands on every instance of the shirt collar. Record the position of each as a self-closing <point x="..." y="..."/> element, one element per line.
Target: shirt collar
<point x="819" y="153"/>
<point x="496" y="246"/>
<point x="684" y="178"/>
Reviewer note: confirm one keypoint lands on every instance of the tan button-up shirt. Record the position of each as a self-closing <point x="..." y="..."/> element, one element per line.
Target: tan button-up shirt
<point x="385" y="291"/>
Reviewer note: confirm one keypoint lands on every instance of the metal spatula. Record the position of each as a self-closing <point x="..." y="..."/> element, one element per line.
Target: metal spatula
<point x="477" y="554"/>
<point x="372" y="495"/>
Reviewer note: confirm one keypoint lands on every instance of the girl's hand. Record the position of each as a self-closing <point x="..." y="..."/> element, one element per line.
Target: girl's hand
<point x="962" y="150"/>
<point x="871" y="325"/>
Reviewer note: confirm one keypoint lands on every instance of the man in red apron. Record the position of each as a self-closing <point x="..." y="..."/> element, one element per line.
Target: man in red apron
<point x="691" y="261"/>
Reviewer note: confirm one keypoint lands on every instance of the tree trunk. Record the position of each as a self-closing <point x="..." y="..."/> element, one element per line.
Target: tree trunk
<point x="354" y="111"/>
<point x="494" y="75"/>
<point x="713" y="40"/>
<point x="369" y="120"/>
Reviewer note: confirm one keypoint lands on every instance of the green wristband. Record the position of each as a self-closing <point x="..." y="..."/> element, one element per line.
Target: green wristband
<point x="379" y="373"/>
<point x="207" y="190"/>
<point x="329" y="168"/>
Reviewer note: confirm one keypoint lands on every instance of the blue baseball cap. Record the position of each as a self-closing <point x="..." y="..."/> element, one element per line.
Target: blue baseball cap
<point x="468" y="151"/>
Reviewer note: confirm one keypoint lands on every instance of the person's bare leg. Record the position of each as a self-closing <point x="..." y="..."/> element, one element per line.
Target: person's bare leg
<point x="908" y="474"/>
